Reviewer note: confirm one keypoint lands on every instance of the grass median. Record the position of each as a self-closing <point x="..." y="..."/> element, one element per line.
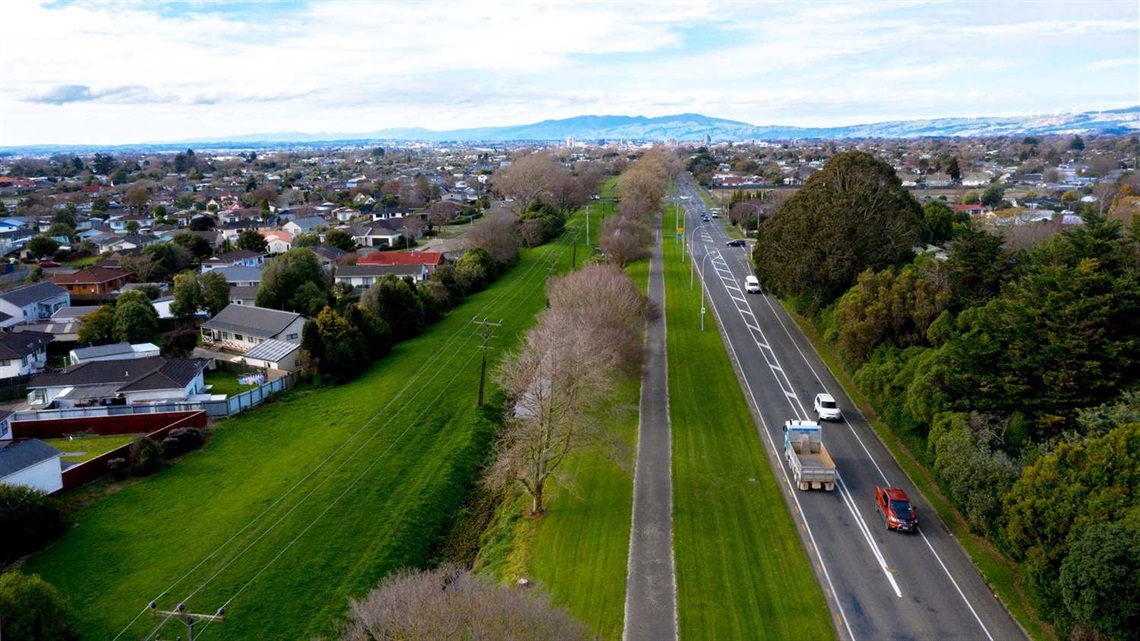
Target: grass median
<point x="742" y="572"/>
<point x="296" y="506"/>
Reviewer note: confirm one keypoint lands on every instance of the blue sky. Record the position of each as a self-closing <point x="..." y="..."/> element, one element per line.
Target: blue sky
<point x="124" y="71"/>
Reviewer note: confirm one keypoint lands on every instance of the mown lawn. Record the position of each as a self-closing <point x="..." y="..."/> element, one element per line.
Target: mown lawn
<point x="296" y="506"/>
<point x="84" y="449"/>
<point x="742" y="572"/>
<point x="225" y="383"/>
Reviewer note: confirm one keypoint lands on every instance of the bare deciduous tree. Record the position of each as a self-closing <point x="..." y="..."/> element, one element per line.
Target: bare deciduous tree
<point x="497" y="233"/>
<point x="526" y="180"/>
<point x="625" y="240"/>
<point x="561" y="382"/>
<point x="452" y="603"/>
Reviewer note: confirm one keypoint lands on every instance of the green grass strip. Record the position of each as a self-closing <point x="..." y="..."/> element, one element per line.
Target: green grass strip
<point x="742" y="572"/>
<point x="999" y="572"/>
<point x="84" y="449"/>
<point x="388" y="493"/>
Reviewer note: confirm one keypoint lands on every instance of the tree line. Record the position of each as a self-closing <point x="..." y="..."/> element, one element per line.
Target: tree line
<point x="1012" y="373"/>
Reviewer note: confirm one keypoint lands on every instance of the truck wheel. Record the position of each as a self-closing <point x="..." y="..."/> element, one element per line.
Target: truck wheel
<point x="803" y="486"/>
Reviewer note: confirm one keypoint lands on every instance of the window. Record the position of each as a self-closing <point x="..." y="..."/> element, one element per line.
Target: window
<point x="291" y="337"/>
<point x="239" y="337"/>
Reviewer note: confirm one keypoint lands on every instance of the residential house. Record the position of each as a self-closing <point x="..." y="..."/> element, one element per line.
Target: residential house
<point x="244" y="294"/>
<point x="274" y="354"/>
<point x="22" y="353"/>
<point x="938" y="181"/>
<point x="32" y="463"/>
<point x="976" y="180"/>
<point x="346" y="214"/>
<point x="389" y="213"/>
<point x="91" y="283"/>
<point x="375" y="235"/>
<point x="279" y="241"/>
<point x="305" y="225"/>
<point x="328" y="256"/>
<point x="241" y="276"/>
<point x="118" y="244"/>
<point x="236" y="258"/>
<point x="429" y="259"/>
<point x="241" y="327"/>
<point x="32" y="302"/>
<point x="976" y="209"/>
<point x="364" y="276"/>
<point x="115" y="352"/>
<point x="231" y="230"/>
<point x="5" y="426"/>
<point x="119" y="382"/>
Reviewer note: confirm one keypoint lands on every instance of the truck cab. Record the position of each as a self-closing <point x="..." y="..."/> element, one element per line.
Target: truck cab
<point x="894" y="505"/>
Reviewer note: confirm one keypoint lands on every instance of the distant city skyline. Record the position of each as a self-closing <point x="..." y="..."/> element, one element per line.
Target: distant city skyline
<point x="129" y="72"/>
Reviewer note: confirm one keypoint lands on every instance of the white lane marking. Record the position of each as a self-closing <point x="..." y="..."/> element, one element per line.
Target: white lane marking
<point x="960" y="593"/>
<point x="866" y="531"/>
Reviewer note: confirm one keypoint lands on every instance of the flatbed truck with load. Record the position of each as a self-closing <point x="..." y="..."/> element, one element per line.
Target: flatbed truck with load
<point x="811" y="465"/>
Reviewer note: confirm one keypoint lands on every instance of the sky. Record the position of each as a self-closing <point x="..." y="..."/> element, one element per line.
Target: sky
<point x="120" y="72"/>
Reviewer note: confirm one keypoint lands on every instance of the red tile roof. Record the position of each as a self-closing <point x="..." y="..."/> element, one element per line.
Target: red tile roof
<point x="87" y="275"/>
<point x="402" y="258"/>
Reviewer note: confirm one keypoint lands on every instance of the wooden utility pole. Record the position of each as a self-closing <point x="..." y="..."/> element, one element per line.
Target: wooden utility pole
<point x="488" y="329"/>
<point x="189" y="618"/>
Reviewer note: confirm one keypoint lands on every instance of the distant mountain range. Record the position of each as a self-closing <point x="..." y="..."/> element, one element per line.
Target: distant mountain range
<point x="682" y="127"/>
<point x="695" y="127"/>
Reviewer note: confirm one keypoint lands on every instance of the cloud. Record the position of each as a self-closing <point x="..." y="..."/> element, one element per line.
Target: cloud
<point x="1111" y="64"/>
<point x="64" y="94"/>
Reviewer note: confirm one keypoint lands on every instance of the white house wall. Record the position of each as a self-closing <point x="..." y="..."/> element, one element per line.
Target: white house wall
<point x="45" y="475"/>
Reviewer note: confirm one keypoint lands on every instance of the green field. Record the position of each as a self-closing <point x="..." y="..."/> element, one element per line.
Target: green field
<point x="84" y="449"/>
<point x="295" y="506"/>
<point x="742" y="572"/>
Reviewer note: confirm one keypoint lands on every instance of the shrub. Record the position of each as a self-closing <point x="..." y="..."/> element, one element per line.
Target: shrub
<point x="182" y="440"/>
<point x="146" y="457"/>
<point x="29" y="519"/>
<point x="31" y="608"/>
<point x="119" y="468"/>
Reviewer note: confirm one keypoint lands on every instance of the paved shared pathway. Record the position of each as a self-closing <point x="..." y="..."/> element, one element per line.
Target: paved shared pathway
<point x="651" y="586"/>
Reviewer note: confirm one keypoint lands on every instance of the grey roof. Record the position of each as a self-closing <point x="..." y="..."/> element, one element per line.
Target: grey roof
<point x="357" y="271"/>
<point x="20" y="344"/>
<point x="25" y="454"/>
<point x="244" y="292"/>
<point x="252" y="321"/>
<point x="272" y="350"/>
<point x="309" y="223"/>
<point x="28" y="294"/>
<point x="132" y="374"/>
<point x="328" y="252"/>
<point x="98" y="351"/>
<point x="240" y="274"/>
<point x="76" y="311"/>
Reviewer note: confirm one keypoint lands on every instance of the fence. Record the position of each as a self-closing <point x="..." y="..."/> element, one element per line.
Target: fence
<point x="215" y="409"/>
<point x="87" y="471"/>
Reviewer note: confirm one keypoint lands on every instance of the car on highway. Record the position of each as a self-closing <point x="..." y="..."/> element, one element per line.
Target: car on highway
<point x="736" y="242"/>
<point x="751" y="285"/>
<point x="705" y="219"/>
<point x="826" y="408"/>
<point x="894" y="505"/>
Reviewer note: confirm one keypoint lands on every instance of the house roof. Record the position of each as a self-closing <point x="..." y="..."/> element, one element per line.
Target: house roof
<point x="272" y="350"/>
<point x="402" y="258"/>
<point x="28" y="294"/>
<point x="250" y="320"/>
<point x="243" y="292"/>
<point x="25" y="454"/>
<point x="99" y="351"/>
<point x="77" y="311"/>
<point x="19" y="344"/>
<point x="309" y="223"/>
<point x="138" y="374"/>
<point x="236" y="256"/>
<point x="358" y="270"/>
<point x="88" y="275"/>
<point x="240" y="273"/>
<point x="372" y="229"/>
<point x="328" y="253"/>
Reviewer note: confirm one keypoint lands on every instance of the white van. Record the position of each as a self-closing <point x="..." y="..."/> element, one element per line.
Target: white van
<point x="751" y="285"/>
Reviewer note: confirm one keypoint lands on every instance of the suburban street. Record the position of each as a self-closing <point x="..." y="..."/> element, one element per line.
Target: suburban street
<point x="880" y="584"/>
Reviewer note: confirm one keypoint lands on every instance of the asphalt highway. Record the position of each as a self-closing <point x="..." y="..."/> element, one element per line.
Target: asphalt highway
<point x="879" y="584"/>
